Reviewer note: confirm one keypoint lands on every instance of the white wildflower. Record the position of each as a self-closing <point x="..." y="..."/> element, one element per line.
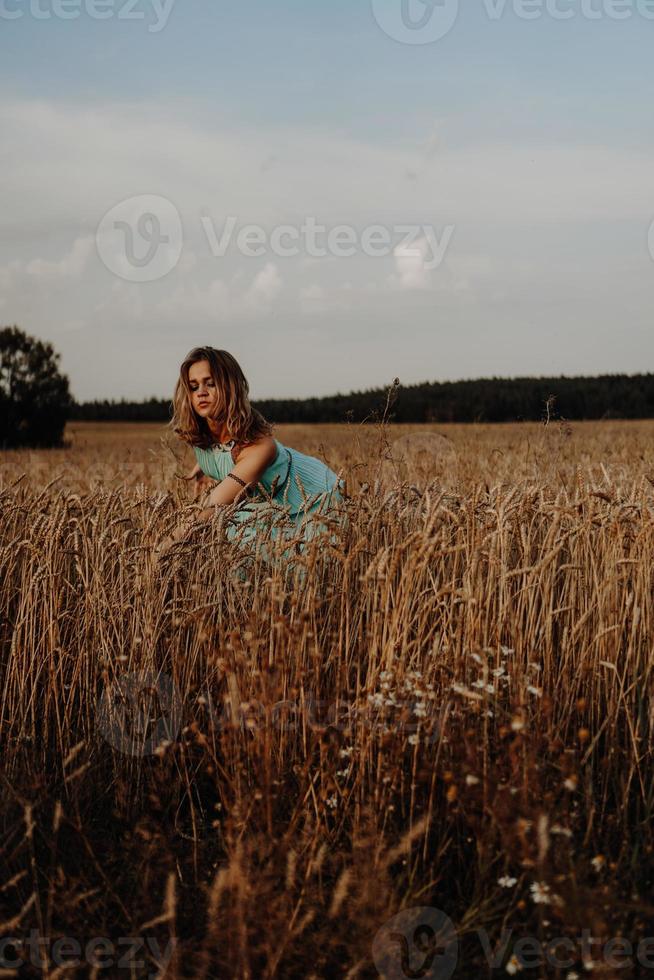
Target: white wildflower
<point x="162" y="746"/>
<point x="506" y="882"/>
<point x="540" y="893"/>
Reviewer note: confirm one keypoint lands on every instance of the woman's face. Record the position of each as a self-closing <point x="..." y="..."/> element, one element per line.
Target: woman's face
<point x="204" y="394"/>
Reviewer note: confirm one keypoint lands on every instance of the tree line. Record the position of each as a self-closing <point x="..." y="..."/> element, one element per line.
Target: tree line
<point x="607" y="396"/>
<point x="36" y="402"/>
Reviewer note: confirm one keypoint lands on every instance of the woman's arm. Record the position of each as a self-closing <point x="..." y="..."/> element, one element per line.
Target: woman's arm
<point x="251" y="463"/>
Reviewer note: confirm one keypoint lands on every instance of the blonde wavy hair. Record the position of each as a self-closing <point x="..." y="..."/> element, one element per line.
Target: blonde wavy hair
<point x="245" y="423"/>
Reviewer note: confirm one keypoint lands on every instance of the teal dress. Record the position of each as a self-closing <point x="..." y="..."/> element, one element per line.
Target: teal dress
<point x="288" y="500"/>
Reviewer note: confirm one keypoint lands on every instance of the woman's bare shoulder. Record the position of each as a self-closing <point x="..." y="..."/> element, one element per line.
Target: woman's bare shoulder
<point x="265" y="448"/>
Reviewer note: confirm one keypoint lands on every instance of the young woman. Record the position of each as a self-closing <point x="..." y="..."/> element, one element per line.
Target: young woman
<point x="233" y="444"/>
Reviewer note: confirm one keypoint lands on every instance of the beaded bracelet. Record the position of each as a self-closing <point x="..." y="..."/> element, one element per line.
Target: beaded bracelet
<point x="238" y="479"/>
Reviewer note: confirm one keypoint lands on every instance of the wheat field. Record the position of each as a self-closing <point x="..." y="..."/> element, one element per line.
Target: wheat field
<point x="251" y="771"/>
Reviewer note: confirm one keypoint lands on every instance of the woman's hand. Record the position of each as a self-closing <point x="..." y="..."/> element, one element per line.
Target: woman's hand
<point x="200" y="480"/>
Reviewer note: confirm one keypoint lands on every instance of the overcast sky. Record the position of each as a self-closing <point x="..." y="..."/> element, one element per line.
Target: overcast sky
<point x="518" y="148"/>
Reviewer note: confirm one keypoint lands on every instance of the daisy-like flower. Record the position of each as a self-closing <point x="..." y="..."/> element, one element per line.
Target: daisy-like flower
<point x="506" y="882"/>
<point x="540" y="893"/>
<point x="513" y="965"/>
<point x="484" y="687"/>
<point x="414" y="739"/>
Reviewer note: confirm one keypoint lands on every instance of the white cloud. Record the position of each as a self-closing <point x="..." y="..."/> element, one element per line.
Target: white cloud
<point x="545" y="233"/>
<point x="69" y="266"/>
<point x="266" y="286"/>
<point x="122" y="151"/>
<point x="410" y="265"/>
<point x="219" y="299"/>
